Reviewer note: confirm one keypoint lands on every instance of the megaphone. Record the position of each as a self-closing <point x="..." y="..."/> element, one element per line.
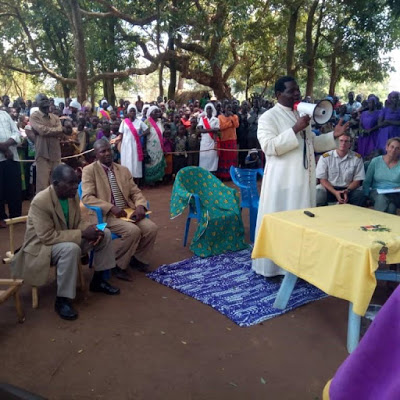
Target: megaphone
<point x="321" y="112"/>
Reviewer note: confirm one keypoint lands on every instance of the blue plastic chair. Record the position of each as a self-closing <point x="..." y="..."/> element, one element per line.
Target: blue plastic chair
<point x="99" y="215"/>
<point x="246" y="180"/>
<point x="194" y="212"/>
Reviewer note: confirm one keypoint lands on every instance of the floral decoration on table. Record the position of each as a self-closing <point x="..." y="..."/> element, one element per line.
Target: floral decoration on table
<point x="382" y="254"/>
<point x="375" y="228"/>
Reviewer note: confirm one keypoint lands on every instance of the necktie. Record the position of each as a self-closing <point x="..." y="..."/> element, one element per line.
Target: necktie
<point x="118" y="197"/>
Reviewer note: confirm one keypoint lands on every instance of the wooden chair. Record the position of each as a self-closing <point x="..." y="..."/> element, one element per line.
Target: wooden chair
<point x="9" y="255"/>
<point x="13" y="286"/>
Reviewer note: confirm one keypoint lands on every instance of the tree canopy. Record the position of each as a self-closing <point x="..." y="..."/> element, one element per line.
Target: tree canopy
<point x="227" y="45"/>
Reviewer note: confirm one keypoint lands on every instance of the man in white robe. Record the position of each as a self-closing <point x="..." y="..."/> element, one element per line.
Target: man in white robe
<point x="289" y="176"/>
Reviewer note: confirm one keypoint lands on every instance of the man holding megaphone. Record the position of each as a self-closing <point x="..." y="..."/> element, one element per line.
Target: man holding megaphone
<point x="286" y="138"/>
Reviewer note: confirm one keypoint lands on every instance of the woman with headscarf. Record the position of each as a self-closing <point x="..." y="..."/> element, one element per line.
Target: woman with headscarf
<point x="369" y="128"/>
<point x="103" y="113"/>
<point x="208" y="126"/>
<point x="154" y="160"/>
<point x="228" y="122"/>
<point x="131" y="129"/>
<point x="389" y="120"/>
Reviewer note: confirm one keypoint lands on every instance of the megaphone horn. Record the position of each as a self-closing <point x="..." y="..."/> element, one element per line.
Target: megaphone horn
<point x="321" y="112"/>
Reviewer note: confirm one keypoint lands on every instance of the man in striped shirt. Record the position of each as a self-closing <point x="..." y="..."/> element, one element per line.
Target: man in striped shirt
<point x="110" y="186"/>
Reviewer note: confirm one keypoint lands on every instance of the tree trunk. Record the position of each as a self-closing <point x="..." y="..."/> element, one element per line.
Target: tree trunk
<point x="312" y="46"/>
<point x="291" y="32"/>
<point x="172" y="70"/>
<point x="181" y="81"/>
<point x="333" y="80"/>
<point x="67" y="92"/>
<point x="247" y="85"/>
<point x="160" y="80"/>
<point x="109" y="92"/>
<point x="79" y="48"/>
<point x="310" y="56"/>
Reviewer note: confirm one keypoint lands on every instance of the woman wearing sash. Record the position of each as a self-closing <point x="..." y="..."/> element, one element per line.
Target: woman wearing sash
<point x="154" y="161"/>
<point x="208" y="126"/>
<point x="103" y="113"/>
<point x="130" y="130"/>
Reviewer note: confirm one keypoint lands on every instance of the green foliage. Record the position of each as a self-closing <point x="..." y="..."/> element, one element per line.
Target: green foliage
<point x="220" y="43"/>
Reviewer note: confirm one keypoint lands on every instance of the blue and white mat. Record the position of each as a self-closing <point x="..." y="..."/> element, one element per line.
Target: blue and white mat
<point x="227" y="283"/>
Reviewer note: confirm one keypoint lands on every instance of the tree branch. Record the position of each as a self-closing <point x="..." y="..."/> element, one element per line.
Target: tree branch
<point x="22" y="70"/>
<point x="192" y="47"/>
<point x="115" y="12"/>
<point x="236" y="60"/>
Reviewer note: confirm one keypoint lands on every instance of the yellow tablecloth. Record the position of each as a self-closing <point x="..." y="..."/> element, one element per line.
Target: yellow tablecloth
<point x="331" y="251"/>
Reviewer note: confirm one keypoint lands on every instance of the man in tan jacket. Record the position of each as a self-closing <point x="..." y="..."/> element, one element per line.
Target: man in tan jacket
<point x="48" y="130"/>
<point x="56" y="235"/>
<point x="110" y="186"/>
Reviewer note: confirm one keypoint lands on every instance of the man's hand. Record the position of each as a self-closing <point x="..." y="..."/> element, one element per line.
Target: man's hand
<point x="340" y="129"/>
<point x="301" y="123"/>
<point x="139" y="214"/>
<point x="92" y="234"/>
<point x="341" y="196"/>
<point x="118" y="212"/>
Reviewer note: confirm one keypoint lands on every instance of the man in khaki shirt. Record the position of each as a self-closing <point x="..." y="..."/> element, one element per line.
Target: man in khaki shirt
<point x="48" y="130"/>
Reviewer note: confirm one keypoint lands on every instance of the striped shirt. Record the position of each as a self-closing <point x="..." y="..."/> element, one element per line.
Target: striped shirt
<point x="116" y="195"/>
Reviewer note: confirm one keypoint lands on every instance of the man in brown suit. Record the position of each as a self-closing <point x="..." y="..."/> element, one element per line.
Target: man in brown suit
<point x="110" y="186"/>
<point x="56" y="235"/>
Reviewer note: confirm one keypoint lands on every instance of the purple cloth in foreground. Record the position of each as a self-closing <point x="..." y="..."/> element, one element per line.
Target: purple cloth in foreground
<point x="372" y="371"/>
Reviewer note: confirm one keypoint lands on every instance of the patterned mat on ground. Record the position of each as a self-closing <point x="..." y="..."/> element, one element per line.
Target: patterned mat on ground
<point x="227" y="283"/>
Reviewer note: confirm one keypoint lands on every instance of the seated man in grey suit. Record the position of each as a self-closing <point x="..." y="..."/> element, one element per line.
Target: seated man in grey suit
<point x="56" y="235"/>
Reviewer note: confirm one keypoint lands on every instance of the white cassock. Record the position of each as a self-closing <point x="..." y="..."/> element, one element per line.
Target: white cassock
<point x="286" y="184"/>
<point x="208" y="159"/>
<point x="129" y="151"/>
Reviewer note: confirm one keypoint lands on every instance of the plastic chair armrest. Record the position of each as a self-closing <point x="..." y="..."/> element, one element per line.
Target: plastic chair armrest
<point x="98" y="212"/>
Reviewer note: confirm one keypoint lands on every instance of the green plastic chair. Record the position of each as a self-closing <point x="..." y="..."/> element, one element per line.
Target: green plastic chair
<point x="214" y="205"/>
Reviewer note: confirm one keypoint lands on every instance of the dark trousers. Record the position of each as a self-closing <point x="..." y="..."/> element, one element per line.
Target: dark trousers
<point x="355" y="197"/>
<point x="10" y="189"/>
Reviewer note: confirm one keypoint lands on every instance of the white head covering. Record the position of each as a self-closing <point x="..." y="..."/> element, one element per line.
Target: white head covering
<point x="145" y="107"/>
<point x="110" y="108"/>
<point x="33" y="110"/>
<point x="214" y="111"/>
<point x="132" y="106"/>
<point x="103" y="102"/>
<point x="75" y="104"/>
<point x="150" y="110"/>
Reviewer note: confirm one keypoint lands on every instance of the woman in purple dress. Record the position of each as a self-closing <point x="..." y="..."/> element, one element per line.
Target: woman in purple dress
<point x="389" y="120"/>
<point x="369" y="128"/>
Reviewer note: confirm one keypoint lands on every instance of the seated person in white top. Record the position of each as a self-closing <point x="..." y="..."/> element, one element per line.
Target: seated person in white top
<point x="341" y="172"/>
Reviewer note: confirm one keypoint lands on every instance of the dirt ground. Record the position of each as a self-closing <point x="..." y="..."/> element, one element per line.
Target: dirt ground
<point x="154" y="343"/>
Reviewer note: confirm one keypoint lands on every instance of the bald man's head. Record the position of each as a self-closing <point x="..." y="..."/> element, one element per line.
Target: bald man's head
<point x="43" y="103"/>
<point x="65" y="181"/>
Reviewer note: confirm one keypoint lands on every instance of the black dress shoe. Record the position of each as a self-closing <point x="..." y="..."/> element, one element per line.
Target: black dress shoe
<point x="140" y="266"/>
<point x="122" y="274"/>
<point x="103" y="287"/>
<point x="64" y="309"/>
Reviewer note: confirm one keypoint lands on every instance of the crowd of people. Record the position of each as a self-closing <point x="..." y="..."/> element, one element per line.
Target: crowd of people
<point x="155" y="140"/>
<point x="115" y="150"/>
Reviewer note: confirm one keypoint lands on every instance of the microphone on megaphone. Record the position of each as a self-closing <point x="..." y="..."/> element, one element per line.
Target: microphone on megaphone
<point x="321" y="112"/>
